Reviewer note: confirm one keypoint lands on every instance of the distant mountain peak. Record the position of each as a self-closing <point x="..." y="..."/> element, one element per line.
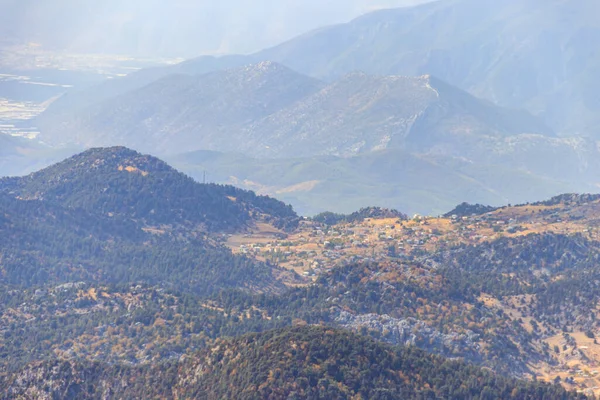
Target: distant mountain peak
<point x="262" y="69"/>
<point x="266" y="66"/>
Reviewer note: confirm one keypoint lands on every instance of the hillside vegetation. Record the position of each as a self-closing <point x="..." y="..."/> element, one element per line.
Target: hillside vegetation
<point x="91" y="274"/>
<point x="121" y="182"/>
<point x="304" y="362"/>
<point x="114" y="215"/>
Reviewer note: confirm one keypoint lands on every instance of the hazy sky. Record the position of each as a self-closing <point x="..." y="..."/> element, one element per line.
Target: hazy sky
<point x="173" y="27"/>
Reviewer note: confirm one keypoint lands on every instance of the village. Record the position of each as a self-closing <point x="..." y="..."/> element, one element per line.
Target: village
<point x="317" y="247"/>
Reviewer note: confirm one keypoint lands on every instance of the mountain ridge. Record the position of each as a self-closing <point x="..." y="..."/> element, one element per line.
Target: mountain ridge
<point x="275" y="112"/>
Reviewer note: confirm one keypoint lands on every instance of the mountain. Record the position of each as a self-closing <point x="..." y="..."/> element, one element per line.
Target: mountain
<point x="184" y="111"/>
<point x="116" y="216"/>
<point x="268" y="110"/>
<point x="301" y="362"/>
<point x="362" y="113"/>
<point x="121" y="182"/>
<point x="532" y="54"/>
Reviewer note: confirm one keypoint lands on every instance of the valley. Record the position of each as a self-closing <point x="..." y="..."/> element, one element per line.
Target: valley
<point x="32" y="77"/>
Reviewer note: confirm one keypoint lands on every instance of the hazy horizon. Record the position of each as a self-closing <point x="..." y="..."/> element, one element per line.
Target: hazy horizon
<point x="181" y="28"/>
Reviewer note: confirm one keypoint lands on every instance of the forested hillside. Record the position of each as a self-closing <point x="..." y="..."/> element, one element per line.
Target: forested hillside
<point x="119" y="182"/>
<point x="115" y="258"/>
<point x="47" y="244"/>
<point x="116" y="216"/>
<point x="303" y="362"/>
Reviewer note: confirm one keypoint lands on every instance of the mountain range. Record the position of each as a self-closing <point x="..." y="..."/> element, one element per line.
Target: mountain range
<point x="369" y="135"/>
<point x="489" y="106"/>
<point x="530" y="54"/>
<point x="533" y="55"/>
